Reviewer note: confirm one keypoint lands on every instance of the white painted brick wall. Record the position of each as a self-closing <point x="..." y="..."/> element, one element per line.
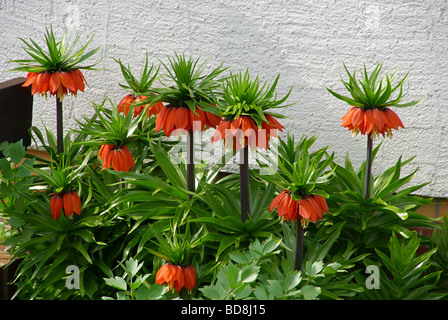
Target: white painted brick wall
<point x="305" y="41"/>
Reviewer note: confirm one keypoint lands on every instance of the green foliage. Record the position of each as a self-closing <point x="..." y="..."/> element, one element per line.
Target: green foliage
<point x="133" y="222"/>
<point x="372" y="92"/>
<point x="406" y="277"/>
<point x="132" y="285"/>
<point x="300" y="170"/>
<point x="391" y="207"/>
<point x="249" y="275"/>
<point x="59" y="56"/>
<point x="147" y="78"/>
<point x="186" y="84"/>
<point x="245" y="97"/>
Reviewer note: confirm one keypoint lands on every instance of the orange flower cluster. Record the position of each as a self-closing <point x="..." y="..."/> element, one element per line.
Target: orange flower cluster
<point x="125" y="105"/>
<point x="243" y="131"/>
<point x="371" y="122"/>
<point x="311" y="207"/>
<point x="120" y="158"/>
<point x="56" y="83"/>
<point x="177" y="277"/>
<point x="69" y="201"/>
<point x="171" y="118"/>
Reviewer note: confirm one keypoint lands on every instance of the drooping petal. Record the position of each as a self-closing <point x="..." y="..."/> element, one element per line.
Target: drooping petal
<point x="380" y="120"/>
<point x="220" y="132"/>
<point x="76" y="203"/>
<point x="56" y="205"/>
<point x="125" y="103"/>
<point x="44" y="82"/>
<point x="347" y="118"/>
<point x="105" y="155"/>
<point x="393" y="120"/>
<point x="283" y="205"/>
<point x="274" y="122"/>
<point x="236" y="124"/>
<point x="213" y="120"/>
<point x="67" y="82"/>
<point x="180" y="278"/>
<point x="291" y="209"/>
<point x="358" y="120"/>
<point x="117" y="159"/>
<point x="78" y="79"/>
<point x="55" y="82"/>
<point x="181" y="117"/>
<point x="190" y="277"/>
<point x="168" y="127"/>
<point x="128" y="158"/>
<point x="369" y="120"/>
<point x="316" y="208"/>
<point x="304" y="209"/>
<point x="277" y="200"/>
<point x="161" y="117"/>
<point x="68" y="204"/>
<point x="30" y="77"/>
<point x="155" y="109"/>
<point x="322" y="202"/>
<point x="160" y="275"/>
<point x="35" y="88"/>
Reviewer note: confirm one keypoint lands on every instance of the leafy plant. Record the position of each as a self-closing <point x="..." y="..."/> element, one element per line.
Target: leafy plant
<point x="439" y="261"/>
<point x="60" y="55"/>
<point x="373" y="92"/>
<point x="246" y="97"/>
<point x="391" y="207"/>
<point x="247" y="276"/>
<point x="404" y="275"/>
<point x="132" y="285"/>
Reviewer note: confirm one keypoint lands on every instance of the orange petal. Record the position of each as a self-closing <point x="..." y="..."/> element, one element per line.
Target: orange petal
<point x="276" y="200"/>
<point x="380" y="120"/>
<point x="45" y="82"/>
<point x="124" y="104"/>
<point x="66" y="80"/>
<point x="316" y="207"/>
<point x="393" y="119"/>
<point x="68" y="204"/>
<point x="76" y="203"/>
<point x="347" y="119"/>
<point x="117" y="160"/>
<point x="369" y="120"/>
<point x="235" y="125"/>
<point x="190" y="278"/>
<point x="180" y="281"/>
<point x="304" y="209"/>
<point x="56" y="205"/>
<point x="283" y="205"/>
<point x="36" y="84"/>
<point x="273" y="122"/>
<point x="30" y="77"/>
<point x="168" y="127"/>
<point x="181" y="117"/>
<point x="55" y="82"/>
<point x="213" y="120"/>
<point x="322" y="202"/>
<point x="161" y="118"/>
<point x="128" y="159"/>
<point x="78" y="79"/>
<point x="160" y="276"/>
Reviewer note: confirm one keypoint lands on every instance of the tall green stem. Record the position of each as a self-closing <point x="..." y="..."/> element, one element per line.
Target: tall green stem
<point x="244" y="183"/>
<point x="190" y="162"/>
<point x="299" y="246"/>
<point x="60" y="126"/>
<point x="368" y="167"/>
